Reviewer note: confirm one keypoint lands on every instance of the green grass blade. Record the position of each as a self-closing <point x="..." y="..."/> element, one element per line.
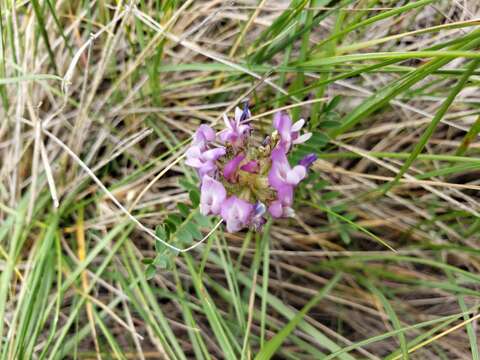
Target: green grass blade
<point x="272" y="345"/>
<point x="211" y="312"/>
<point x="265" y="277"/>
<point x="431" y="127"/>
<point x="392" y="316"/>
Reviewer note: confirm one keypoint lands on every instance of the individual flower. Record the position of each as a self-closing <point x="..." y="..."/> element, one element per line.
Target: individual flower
<point x="281" y="174"/>
<point x="212" y="196"/>
<point x="237" y="213"/>
<point x="235" y="132"/>
<point x="204" y="135"/>
<point x="282" y="205"/>
<point x="196" y="157"/>
<point x="203" y="161"/>
<point x="289" y="134"/>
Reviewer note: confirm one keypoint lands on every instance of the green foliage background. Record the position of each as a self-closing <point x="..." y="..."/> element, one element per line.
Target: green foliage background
<point x="98" y="103"/>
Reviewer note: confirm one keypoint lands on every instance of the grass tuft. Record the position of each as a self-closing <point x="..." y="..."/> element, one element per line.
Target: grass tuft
<point x="103" y="252"/>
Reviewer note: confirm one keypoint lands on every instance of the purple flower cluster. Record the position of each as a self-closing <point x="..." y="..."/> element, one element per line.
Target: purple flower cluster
<point x="242" y="181"/>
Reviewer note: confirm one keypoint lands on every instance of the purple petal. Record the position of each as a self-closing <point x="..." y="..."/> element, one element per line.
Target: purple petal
<point x="251" y="167"/>
<point x="213" y="154"/>
<point x="230" y="169"/>
<point x="202" y="160"/>
<point x="193" y="151"/>
<point x="234" y="135"/>
<point x="278" y="154"/>
<point x="246" y="112"/>
<point x="282" y="122"/>
<point x="193" y="155"/>
<point x="236" y="213"/>
<point x="207" y="168"/>
<point x="243" y="129"/>
<point x="296" y="175"/>
<point x="203" y="135"/>
<point x="276" y="209"/>
<point x="280" y="209"/>
<point x="285" y="195"/>
<point x="258" y="220"/>
<point x="225" y="135"/>
<point x="212" y="196"/>
<point x="308" y="160"/>
<point x="274" y="178"/>
<point x="194" y="162"/>
<point x="280" y="168"/>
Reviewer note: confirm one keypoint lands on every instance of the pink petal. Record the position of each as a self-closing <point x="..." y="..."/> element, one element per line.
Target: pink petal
<point x="274" y="178"/>
<point x="280" y="168"/>
<point x="296" y="175"/>
<point x="236" y="213"/>
<point x="194" y="162"/>
<point x="298" y="125"/>
<point x="205" y="132"/>
<point x="238" y="115"/>
<point x="285" y="195"/>
<point x="243" y="128"/>
<point x="193" y="151"/>
<point x="230" y="169"/>
<point x="212" y="196"/>
<point x="275" y="209"/>
<point x="227" y="122"/>
<point x="303" y="138"/>
<point x="251" y="167"/>
<point x="208" y="167"/>
<point x="224" y="135"/>
<point x="282" y="122"/>
<point x="213" y="154"/>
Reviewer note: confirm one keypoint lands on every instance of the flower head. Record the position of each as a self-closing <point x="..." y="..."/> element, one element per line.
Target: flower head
<point x="243" y="182"/>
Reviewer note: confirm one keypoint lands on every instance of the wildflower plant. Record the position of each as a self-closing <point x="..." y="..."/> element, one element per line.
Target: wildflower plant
<point x="243" y="181"/>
